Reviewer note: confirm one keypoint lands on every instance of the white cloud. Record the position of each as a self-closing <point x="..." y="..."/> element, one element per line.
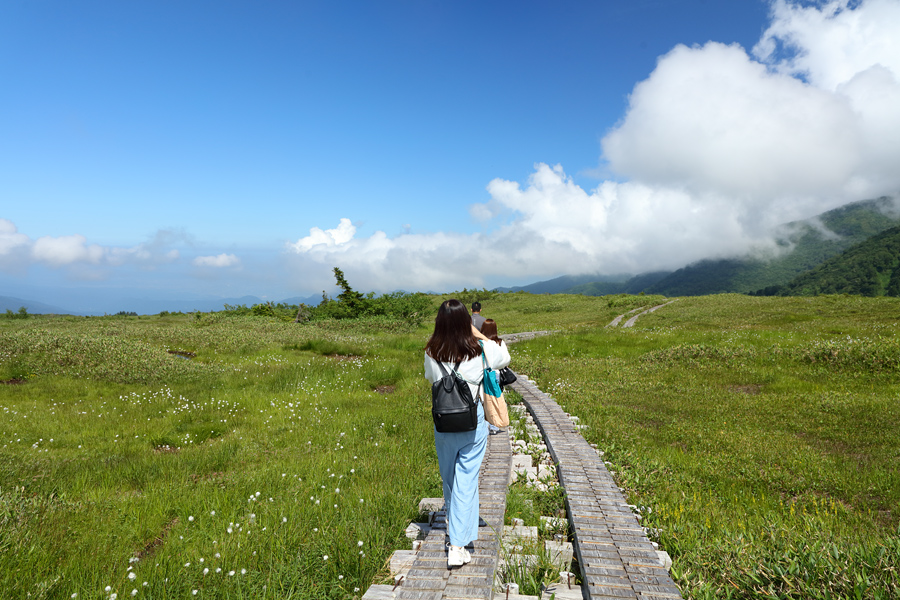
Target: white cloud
<point x="808" y="126"/>
<point x="719" y="146"/>
<point x="831" y="44"/>
<point x="220" y="261"/>
<point x="329" y="238"/>
<point x="84" y="260"/>
<point x="711" y="119"/>
<point x="10" y="238"/>
<point x="66" y="250"/>
<point x="561" y="228"/>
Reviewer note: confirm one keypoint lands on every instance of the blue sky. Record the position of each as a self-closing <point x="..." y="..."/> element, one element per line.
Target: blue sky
<point x="230" y="148"/>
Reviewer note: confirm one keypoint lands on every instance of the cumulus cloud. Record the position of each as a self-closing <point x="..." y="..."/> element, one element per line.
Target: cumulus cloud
<point x="808" y="123"/>
<point x="561" y="229"/>
<point x="220" y="261"/>
<point x="717" y="147"/>
<point x="65" y="250"/>
<point x="84" y="260"/>
<point x="329" y="238"/>
<point x="10" y="238"/>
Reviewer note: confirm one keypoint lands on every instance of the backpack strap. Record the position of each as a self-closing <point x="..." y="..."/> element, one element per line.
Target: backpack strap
<point x="443" y="369"/>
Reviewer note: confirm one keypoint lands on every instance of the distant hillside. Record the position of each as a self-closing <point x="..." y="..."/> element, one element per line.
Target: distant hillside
<point x="634" y="285"/>
<point x="806" y="245"/>
<point x="803" y="246"/>
<point x="870" y="268"/>
<point x="561" y="284"/>
<point x="33" y="307"/>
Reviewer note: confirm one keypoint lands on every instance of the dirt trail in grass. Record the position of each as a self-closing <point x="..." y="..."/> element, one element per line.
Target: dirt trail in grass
<point x="511" y="338"/>
<point x="630" y="322"/>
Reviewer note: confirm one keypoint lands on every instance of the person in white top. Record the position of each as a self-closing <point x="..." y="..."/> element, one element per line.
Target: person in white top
<point x="460" y="454"/>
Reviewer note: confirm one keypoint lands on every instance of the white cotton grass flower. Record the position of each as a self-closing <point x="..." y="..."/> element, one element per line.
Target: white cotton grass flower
<point x="132" y="575"/>
<point x="191" y="518"/>
<point x="243" y="571"/>
<point x="134" y="592"/>
<point x="359" y="543"/>
<point x="325" y="557"/>
<point x="231" y="573"/>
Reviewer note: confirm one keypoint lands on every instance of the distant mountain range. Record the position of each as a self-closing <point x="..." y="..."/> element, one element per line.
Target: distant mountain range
<point x="802" y="247"/>
<point x="870" y="268"/>
<point x="854" y="249"/>
<point x="144" y="306"/>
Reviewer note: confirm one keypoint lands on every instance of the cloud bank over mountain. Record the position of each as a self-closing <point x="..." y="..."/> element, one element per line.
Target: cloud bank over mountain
<point x="717" y="146"/>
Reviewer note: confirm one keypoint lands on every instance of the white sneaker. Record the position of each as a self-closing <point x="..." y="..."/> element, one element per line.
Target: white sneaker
<point x="457" y="556"/>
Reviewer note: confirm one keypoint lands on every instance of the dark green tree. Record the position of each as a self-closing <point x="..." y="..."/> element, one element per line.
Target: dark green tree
<point x="353" y="300"/>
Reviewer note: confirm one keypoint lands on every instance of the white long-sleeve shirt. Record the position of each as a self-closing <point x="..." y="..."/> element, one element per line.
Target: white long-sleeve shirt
<point x="472" y="370"/>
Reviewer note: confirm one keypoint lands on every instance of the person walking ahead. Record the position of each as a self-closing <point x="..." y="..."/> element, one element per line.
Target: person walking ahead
<point x="460" y="454"/>
<point x="477" y="319"/>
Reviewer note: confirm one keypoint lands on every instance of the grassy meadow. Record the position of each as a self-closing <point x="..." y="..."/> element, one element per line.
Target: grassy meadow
<point x="225" y="456"/>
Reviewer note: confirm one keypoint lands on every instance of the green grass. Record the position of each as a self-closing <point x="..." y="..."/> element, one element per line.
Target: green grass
<point x="250" y="457"/>
<point x="760" y="434"/>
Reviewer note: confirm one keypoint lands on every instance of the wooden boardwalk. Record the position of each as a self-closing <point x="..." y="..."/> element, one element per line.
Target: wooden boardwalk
<point x="614" y="555"/>
<point x="429" y="578"/>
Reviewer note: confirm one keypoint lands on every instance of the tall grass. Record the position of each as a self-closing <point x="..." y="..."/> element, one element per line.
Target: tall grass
<point x="261" y="468"/>
<point x="761" y="435"/>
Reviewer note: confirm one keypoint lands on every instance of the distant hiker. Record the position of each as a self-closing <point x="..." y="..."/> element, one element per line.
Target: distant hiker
<point x="489" y="330"/>
<point x="477" y="319"/>
<point x="460" y="454"/>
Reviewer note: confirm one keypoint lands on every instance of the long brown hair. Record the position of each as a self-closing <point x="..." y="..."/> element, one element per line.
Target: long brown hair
<point x="452" y="339"/>
<point x="489" y="330"/>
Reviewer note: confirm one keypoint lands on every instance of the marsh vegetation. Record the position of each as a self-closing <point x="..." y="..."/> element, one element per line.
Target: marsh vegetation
<point x="225" y="455"/>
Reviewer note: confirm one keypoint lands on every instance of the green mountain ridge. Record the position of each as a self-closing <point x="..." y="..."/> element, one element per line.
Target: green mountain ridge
<point x="801" y="247"/>
<point x="870" y="268"/>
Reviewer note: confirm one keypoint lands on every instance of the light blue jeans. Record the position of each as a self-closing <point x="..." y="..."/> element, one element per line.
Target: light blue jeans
<point x="459" y="459"/>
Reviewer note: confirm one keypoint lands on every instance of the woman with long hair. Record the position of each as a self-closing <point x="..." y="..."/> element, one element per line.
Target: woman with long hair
<point x="489" y="330"/>
<point x="460" y="454"/>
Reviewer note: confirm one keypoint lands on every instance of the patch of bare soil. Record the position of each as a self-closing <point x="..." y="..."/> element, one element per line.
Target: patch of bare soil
<point x="13" y="381"/>
<point x="214" y="476"/>
<point x="153" y="545"/>
<point x="343" y="357"/>
<point x="751" y="389"/>
<point x="182" y="353"/>
<point x="385" y="389"/>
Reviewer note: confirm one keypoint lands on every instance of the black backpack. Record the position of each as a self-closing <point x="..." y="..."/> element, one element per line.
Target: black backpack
<point x="452" y="406"/>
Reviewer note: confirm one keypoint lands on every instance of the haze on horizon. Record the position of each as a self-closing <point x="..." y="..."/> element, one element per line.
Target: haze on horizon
<point x="418" y="179"/>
